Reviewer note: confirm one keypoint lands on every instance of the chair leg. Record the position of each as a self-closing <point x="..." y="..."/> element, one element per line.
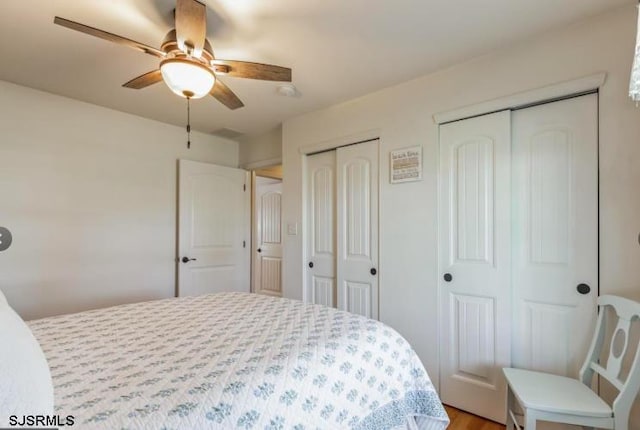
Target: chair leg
<point x="510" y="404"/>
<point x="510" y="424"/>
<point x="621" y="421"/>
<point x="529" y="420"/>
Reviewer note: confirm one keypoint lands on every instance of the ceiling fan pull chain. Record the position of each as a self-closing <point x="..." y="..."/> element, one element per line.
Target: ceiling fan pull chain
<point x="188" y="122"/>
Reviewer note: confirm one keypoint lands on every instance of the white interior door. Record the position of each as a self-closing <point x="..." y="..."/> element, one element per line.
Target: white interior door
<point x="214" y="225"/>
<point x="555" y="243"/>
<point x="474" y="260"/>
<point x="320" y="285"/>
<point x="267" y="272"/>
<point x="357" y="228"/>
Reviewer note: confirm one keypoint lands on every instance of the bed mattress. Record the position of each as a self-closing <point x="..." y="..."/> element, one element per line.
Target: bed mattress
<point x="236" y="361"/>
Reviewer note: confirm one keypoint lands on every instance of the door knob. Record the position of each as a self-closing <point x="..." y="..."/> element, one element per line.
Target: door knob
<point x="259" y="249"/>
<point x="583" y="288"/>
<point x="373" y="271"/>
<point x="448" y="277"/>
<point x="187" y="259"/>
<point x="5" y="238"/>
<point x="311" y="264"/>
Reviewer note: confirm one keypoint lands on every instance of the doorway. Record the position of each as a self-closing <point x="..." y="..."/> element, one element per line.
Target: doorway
<point x="342" y="228"/>
<point x="266" y="225"/>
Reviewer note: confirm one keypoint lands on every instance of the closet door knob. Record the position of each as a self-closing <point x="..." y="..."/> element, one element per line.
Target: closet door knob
<point x="583" y="288"/>
<point x="311" y="264"/>
<point x="448" y="277"/>
<point x="187" y="259"/>
<point x="5" y="238"/>
<point x="373" y="271"/>
<point x="259" y="249"/>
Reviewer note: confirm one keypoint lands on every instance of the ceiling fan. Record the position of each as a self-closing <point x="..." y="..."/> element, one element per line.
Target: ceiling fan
<point x="187" y="64"/>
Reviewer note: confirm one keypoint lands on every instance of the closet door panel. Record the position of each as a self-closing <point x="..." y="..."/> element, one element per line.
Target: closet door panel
<point x="555" y="244"/>
<point x="474" y="261"/>
<point x="357" y="228"/>
<point x="320" y="284"/>
<point x="473" y="202"/>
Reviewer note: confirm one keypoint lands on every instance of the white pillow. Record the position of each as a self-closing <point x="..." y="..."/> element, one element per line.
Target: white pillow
<point x="25" y="381"/>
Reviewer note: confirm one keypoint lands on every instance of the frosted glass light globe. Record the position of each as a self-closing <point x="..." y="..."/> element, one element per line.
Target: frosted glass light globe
<point x="187" y="78"/>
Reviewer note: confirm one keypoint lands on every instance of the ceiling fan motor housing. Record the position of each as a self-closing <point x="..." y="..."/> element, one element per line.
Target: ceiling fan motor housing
<point x="170" y="47"/>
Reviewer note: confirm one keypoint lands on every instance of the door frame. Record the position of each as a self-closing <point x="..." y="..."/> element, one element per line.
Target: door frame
<point x="322" y="146"/>
<point x="332" y="145"/>
<point x="538" y="96"/>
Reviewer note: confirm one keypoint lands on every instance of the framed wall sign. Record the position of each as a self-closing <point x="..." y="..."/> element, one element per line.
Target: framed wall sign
<point x="406" y="165"/>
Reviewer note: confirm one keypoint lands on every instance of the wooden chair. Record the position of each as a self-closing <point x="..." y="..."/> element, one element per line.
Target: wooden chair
<point x="545" y="397"/>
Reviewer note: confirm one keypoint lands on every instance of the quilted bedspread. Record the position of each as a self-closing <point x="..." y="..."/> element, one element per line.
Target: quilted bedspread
<point x="234" y="361"/>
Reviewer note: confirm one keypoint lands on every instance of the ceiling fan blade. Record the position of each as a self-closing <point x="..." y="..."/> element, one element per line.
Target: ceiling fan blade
<point x="225" y="96"/>
<point x="145" y="80"/>
<point x="108" y="36"/>
<point x="191" y="25"/>
<point x="244" y="69"/>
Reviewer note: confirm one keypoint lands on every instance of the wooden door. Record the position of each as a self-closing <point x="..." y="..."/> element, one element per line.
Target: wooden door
<point x="320" y="282"/>
<point x="268" y="244"/>
<point x="555" y="242"/>
<point x="213" y="233"/>
<point x="475" y="263"/>
<point x="357" y="228"/>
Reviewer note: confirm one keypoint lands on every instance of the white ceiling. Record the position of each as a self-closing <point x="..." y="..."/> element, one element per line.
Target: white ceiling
<point x="338" y="49"/>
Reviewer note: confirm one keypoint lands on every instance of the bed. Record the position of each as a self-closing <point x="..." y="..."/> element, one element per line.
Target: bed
<point x="236" y="361"/>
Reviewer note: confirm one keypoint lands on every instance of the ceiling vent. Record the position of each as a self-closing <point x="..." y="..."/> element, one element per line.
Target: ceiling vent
<point x="227" y="133"/>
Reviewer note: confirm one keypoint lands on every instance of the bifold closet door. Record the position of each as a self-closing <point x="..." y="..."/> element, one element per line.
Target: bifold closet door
<point x="475" y="263"/>
<point x="555" y="235"/>
<point x="342" y="228"/>
<point x="321" y="229"/>
<point x="357" y="228"/>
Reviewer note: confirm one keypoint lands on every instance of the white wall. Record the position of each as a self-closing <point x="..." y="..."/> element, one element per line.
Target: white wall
<point x="402" y="116"/>
<point x="90" y="196"/>
<point x="264" y="147"/>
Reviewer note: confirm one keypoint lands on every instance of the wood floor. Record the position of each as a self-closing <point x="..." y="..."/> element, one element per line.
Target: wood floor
<point x="461" y="420"/>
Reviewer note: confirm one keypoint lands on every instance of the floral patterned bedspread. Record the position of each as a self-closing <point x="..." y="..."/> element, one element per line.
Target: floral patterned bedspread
<point x="234" y="361"/>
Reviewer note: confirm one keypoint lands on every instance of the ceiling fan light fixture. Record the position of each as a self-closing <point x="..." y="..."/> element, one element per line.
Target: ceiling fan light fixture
<point x="187" y="78"/>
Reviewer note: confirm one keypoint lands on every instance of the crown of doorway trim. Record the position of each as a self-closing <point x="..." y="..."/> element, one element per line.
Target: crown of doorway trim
<point x="549" y="92"/>
<point x="261" y="164"/>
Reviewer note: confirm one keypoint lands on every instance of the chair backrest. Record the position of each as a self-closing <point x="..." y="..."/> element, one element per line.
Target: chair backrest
<point x="626" y="311"/>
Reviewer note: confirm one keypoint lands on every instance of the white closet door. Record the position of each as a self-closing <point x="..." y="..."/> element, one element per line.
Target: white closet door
<point x="555" y="244"/>
<point x="268" y="253"/>
<point x="357" y="222"/>
<point x="320" y="285"/>
<point x="214" y="229"/>
<point x="474" y="260"/>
